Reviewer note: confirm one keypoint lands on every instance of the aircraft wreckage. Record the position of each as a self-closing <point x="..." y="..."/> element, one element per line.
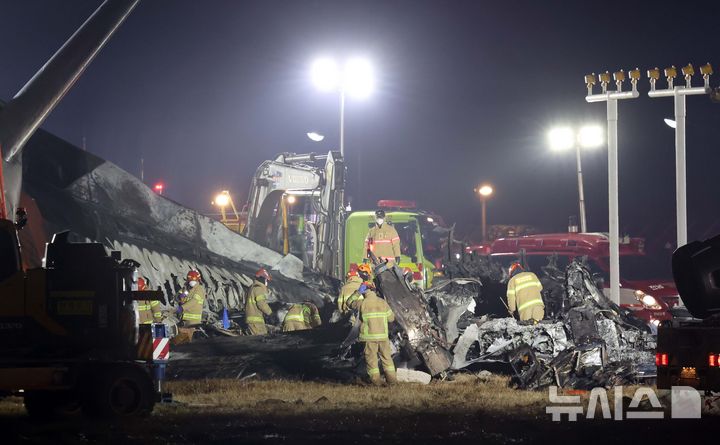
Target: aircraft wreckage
<point x="458" y="325"/>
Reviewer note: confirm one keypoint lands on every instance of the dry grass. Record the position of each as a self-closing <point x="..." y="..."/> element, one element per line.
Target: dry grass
<point x="465" y="394"/>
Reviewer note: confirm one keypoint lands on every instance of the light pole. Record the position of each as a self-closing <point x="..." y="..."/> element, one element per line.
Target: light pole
<point x="679" y="93"/>
<point x="611" y="99"/>
<point x="356" y="79"/>
<point x="565" y="138"/>
<point x="484" y="191"/>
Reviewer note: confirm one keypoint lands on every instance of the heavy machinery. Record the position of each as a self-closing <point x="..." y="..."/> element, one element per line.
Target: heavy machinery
<point x="69" y="334"/>
<point x="296" y="207"/>
<point x="688" y="347"/>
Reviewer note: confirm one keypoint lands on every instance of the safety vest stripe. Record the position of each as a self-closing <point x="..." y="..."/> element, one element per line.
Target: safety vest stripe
<point x="154" y="303"/>
<point x="365" y="336"/>
<point x="294" y="318"/>
<point x="260" y="298"/>
<point x="372" y="371"/>
<point x="144" y="307"/>
<point x="255" y="319"/>
<point x="389" y="368"/>
<point x="527" y="304"/>
<point x="527" y="285"/>
<point x="397" y="238"/>
<point x="189" y="316"/>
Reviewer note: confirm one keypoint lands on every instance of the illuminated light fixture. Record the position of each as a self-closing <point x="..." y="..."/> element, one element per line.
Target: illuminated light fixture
<point x="706" y="69"/>
<point x="485" y="190"/>
<point x="561" y="138"/>
<point x="222" y="199"/>
<point x="315" y="136"/>
<point x="325" y="74"/>
<point x="591" y="136"/>
<point x="358" y="77"/>
<point x="688" y="70"/>
<point x="291" y="199"/>
<point x="661" y="359"/>
<point x="159" y="187"/>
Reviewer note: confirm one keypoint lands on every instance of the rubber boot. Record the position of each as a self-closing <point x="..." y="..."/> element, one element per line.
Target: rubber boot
<point x="391" y="378"/>
<point x="376" y="380"/>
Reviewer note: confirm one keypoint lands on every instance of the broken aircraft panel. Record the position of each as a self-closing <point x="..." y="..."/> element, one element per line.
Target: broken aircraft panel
<point x="66" y="188"/>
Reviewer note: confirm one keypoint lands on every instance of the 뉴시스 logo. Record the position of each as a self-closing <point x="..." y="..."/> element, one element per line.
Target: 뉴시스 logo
<point x="685" y="403"/>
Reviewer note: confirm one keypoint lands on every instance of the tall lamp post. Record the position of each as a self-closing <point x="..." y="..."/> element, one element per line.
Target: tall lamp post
<point x="566" y="138"/>
<point x="355" y="78"/>
<point x="484" y="191"/>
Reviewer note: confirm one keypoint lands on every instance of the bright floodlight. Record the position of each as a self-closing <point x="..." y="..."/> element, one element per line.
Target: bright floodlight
<point x="358" y="78"/>
<point x="222" y="199"/>
<point x="291" y="199"/>
<point x="670" y="123"/>
<point x="325" y="74"/>
<point x="561" y="138"/>
<point x="485" y="190"/>
<point x="315" y="136"/>
<point x="591" y="136"/>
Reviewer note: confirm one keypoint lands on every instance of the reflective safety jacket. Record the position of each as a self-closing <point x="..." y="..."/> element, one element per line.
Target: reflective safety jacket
<point x="375" y="314"/>
<point x="523" y="291"/>
<point x="149" y="311"/>
<point x="256" y="304"/>
<point x="301" y="316"/>
<point x="192" y="305"/>
<point x="348" y="294"/>
<point x="383" y="241"/>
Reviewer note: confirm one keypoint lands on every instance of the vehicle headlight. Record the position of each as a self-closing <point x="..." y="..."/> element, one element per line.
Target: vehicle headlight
<point x="647" y="300"/>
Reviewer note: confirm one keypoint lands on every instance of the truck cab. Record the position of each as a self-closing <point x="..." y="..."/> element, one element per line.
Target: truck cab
<point x="645" y="286"/>
<point x="408" y="225"/>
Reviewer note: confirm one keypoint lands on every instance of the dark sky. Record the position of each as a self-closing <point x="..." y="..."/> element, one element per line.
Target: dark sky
<point x="206" y="90"/>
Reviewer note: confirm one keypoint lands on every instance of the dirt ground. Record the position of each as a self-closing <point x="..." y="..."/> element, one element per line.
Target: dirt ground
<point x="466" y="410"/>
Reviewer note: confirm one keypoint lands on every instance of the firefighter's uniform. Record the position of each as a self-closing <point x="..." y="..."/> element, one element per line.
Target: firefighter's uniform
<point x="375" y="314"/>
<point x="149" y="311"/>
<point x="192" y="305"/>
<point x="255" y="306"/>
<point x="301" y="316"/>
<point x="523" y="294"/>
<point x="383" y="241"/>
<point x="348" y="294"/>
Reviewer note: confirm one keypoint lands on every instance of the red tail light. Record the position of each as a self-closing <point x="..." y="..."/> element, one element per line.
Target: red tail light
<point x="661" y="359"/>
<point x="714" y="360"/>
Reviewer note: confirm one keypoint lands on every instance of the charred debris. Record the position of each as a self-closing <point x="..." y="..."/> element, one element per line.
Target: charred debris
<point x="460" y="325"/>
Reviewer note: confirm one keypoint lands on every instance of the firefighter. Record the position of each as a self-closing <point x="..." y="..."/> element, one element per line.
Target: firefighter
<point x="375" y="314"/>
<point x="523" y="294"/>
<point x="301" y="316"/>
<point x="192" y="299"/>
<point x="356" y="277"/>
<point x="148" y="310"/>
<point x="383" y="240"/>
<point x="256" y="304"/>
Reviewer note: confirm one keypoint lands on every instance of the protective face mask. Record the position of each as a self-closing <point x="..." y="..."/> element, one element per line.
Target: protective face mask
<point x="192" y="283"/>
<point x="380" y="221"/>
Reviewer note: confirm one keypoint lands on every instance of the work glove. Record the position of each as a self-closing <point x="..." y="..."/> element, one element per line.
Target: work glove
<point x="362" y="289"/>
<point x="397" y="260"/>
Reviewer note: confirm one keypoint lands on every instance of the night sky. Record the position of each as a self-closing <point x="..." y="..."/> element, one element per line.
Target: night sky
<point x="207" y="90"/>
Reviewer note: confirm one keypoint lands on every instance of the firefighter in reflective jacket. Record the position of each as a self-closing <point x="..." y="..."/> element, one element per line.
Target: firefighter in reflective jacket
<point x="148" y="310"/>
<point x="349" y="293"/>
<point x="523" y="294"/>
<point x="301" y="316"/>
<point x="375" y="315"/>
<point x="256" y="304"/>
<point x="192" y="300"/>
<point x="383" y="240"/>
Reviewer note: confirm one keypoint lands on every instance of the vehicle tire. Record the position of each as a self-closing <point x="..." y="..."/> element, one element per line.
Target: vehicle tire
<point x="119" y="391"/>
<point x="46" y="405"/>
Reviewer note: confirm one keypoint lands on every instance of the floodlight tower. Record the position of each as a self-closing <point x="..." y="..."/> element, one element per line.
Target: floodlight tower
<point x="679" y="93"/>
<point x="611" y="99"/>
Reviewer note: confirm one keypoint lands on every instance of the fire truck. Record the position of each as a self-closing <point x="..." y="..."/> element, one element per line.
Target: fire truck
<point x="644" y="288"/>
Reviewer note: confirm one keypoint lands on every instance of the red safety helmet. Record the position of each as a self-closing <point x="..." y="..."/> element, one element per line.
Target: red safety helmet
<point x="515" y="266"/>
<point x="141" y="283"/>
<point x="353" y="272"/>
<point x="193" y="275"/>
<point x="263" y="273"/>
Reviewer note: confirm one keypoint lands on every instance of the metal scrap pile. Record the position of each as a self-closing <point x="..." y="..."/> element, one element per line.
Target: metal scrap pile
<point x="587" y="341"/>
